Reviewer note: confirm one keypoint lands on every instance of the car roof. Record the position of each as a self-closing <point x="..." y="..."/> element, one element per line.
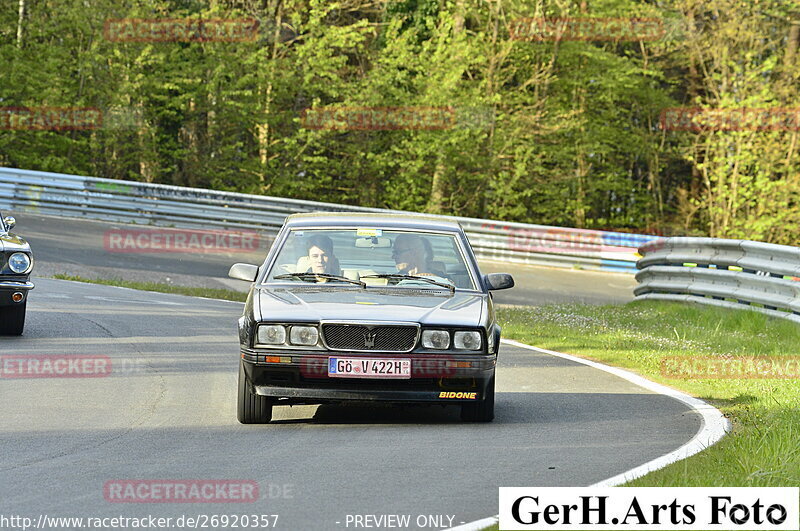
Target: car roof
<point x="369" y="220"/>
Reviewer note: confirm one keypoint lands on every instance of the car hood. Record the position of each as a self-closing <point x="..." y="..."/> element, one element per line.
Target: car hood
<point x="428" y="307"/>
<point x="12" y="242"/>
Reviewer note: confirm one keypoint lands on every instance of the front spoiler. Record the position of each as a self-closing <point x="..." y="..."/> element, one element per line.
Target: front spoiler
<point x="317" y="395"/>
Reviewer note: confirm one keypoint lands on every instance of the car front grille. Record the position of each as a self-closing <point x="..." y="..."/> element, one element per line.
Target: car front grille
<point x="385" y="338"/>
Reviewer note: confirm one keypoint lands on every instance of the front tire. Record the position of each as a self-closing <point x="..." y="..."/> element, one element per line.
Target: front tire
<point x="251" y="408"/>
<point x="12" y="319"/>
<point x="482" y="411"/>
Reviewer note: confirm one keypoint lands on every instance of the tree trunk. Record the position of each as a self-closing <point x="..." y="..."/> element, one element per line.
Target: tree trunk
<point x="263" y="128"/>
<point x="19" y="22"/>
<point x="438" y="189"/>
<point x="582" y="168"/>
<point x="436" y="201"/>
<point x="792" y="43"/>
<point x="458" y="17"/>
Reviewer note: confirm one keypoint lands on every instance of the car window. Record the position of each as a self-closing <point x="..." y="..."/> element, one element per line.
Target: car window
<point x="369" y="254"/>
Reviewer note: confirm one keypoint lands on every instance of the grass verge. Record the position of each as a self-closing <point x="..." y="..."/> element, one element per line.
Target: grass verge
<point x="680" y="345"/>
<point x="226" y="294"/>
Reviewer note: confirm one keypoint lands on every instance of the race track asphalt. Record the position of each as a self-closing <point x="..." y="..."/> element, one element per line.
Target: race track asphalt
<point x="166" y="411"/>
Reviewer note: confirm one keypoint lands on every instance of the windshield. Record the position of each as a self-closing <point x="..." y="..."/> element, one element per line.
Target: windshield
<point x="372" y="257"/>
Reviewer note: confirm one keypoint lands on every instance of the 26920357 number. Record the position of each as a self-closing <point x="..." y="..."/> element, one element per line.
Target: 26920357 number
<point x="252" y="521"/>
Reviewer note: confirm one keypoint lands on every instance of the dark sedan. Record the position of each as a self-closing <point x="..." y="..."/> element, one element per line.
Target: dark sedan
<point x="16" y="263"/>
<point x="362" y="307"/>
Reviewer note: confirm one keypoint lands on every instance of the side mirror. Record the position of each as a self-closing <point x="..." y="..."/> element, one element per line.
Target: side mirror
<point x="9" y="222"/>
<point x="499" y="281"/>
<point x="246" y="272"/>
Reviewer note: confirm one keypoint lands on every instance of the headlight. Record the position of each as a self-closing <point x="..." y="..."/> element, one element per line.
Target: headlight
<point x="19" y="262"/>
<point x="436" y="339"/>
<point x="271" y="334"/>
<point x="467" y="340"/>
<point x="303" y="335"/>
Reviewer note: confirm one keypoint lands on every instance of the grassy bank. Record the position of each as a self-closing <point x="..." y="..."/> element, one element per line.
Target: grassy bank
<point x="228" y="295"/>
<point x="672" y="344"/>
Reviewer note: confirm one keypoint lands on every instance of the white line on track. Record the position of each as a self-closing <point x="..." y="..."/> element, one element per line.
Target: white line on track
<point x="714" y="428"/>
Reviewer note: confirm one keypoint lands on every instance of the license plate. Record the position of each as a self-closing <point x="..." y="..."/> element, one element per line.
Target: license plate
<point x="369" y="368"/>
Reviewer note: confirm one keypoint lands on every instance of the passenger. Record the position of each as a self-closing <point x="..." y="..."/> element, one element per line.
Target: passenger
<point x="321" y="257"/>
<point x="413" y="257"/>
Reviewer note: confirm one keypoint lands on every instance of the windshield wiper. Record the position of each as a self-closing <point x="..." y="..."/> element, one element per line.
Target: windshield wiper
<point x="451" y="287"/>
<point x="314" y="276"/>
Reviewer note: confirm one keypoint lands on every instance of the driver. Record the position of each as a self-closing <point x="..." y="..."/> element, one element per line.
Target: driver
<point x="413" y="257"/>
<point x="321" y="257"/>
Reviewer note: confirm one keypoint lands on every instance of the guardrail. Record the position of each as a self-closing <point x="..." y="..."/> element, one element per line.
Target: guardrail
<point x="731" y="273"/>
<point x="157" y="204"/>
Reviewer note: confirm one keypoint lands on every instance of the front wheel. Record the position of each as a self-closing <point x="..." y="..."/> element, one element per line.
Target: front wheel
<point x="482" y="411"/>
<point x="251" y="408"/>
<point x="12" y="319"/>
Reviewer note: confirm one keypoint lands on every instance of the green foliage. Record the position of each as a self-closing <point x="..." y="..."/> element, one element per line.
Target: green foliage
<point x="554" y="132"/>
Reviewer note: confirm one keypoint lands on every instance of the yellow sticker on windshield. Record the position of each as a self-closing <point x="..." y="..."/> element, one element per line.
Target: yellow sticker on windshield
<point x="368" y="232"/>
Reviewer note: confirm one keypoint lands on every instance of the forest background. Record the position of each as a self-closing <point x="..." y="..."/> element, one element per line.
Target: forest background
<point x="554" y="130"/>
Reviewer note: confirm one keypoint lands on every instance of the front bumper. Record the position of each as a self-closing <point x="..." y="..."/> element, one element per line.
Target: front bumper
<point x="9" y="287"/>
<point x="435" y="378"/>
